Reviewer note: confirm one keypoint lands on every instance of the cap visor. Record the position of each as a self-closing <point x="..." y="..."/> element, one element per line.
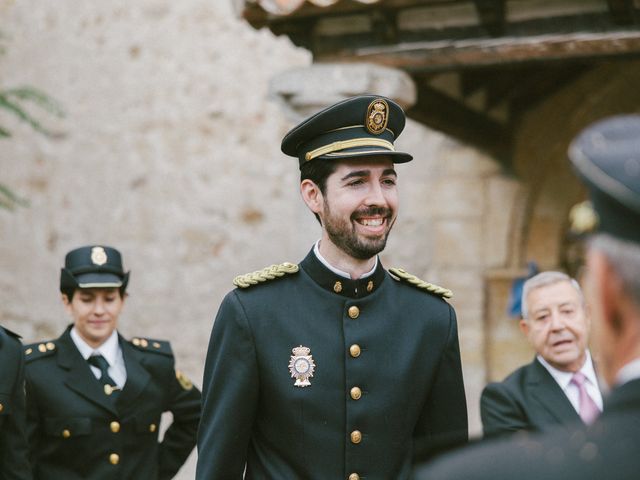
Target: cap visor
<point x="99" y="280"/>
<point x="396" y="157"/>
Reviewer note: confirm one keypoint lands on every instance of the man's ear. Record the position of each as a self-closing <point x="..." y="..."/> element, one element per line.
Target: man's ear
<point x="605" y="283"/>
<point x="312" y="195"/>
<point x="524" y="326"/>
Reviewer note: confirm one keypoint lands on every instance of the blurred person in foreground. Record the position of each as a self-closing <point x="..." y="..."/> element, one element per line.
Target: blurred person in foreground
<point x="606" y="156"/>
<point x="94" y="399"/>
<point x="334" y="368"/>
<point x="14" y="460"/>
<point x="559" y="387"/>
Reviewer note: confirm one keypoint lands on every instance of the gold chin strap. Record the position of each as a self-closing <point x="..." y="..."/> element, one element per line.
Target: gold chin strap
<point x="353" y="143"/>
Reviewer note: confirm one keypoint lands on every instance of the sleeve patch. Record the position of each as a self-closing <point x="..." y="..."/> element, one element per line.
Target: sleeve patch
<point x="183" y="380"/>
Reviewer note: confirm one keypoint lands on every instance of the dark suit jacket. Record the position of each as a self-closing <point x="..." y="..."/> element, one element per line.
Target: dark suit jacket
<point x="77" y="432"/>
<point x="606" y="450"/>
<point x="407" y="367"/>
<point x="528" y="399"/>
<point x="14" y="460"/>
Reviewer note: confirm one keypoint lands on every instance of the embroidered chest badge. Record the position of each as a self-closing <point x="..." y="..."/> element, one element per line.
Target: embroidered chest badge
<point x="302" y="366"/>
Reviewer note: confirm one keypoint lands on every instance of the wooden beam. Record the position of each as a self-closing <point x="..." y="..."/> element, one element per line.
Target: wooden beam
<point x="444" y="113"/>
<point x="449" y="55"/>
<point x="622" y="11"/>
<point x="492" y="15"/>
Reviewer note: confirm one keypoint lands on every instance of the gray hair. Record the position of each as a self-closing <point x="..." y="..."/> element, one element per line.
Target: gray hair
<point x="544" y="279"/>
<point x="624" y="257"/>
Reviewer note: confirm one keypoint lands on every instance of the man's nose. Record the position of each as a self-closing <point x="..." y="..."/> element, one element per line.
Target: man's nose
<point x="557" y="321"/>
<point x="375" y="196"/>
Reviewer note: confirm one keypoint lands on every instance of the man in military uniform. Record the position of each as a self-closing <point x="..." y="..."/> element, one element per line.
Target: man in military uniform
<point x="334" y="368"/>
<point x="14" y="461"/>
<point x="94" y="399"/>
<point x="607" y="157"/>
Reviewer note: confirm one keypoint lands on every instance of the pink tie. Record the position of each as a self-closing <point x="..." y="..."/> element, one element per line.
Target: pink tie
<point x="588" y="408"/>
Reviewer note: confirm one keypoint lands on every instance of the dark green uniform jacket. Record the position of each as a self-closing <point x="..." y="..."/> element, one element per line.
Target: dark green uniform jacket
<point x="14" y="460"/>
<point x="386" y="379"/>
<point x="78" y="432"/>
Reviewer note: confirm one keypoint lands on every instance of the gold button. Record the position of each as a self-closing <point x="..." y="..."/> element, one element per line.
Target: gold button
<point x="136" y="342"/>
<point x="156" y="344"/>
<point x="1" y="407"/>
<point x="108" y="389"/>
<point x="356" y="393"/>
<point x="66" y="433"/>
<point x="354" y="476"/>
<point x="370" y="286"/>
<point x="114" y="458"/>
<point x="354" y="312"/>
<point x="144" y="343"/>
<point x="42" y="348"/>
<point x="337" y="287"/>
<point x="354" y="350"/>
<point x="50" y="346"/>
<point x="115" y="427"/>
<point x="152" y="427"/>
<point x="356" y="436"/>
<point x="28" y="351"/>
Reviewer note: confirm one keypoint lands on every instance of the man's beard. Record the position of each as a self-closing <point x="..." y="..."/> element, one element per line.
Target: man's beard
<point x="343" y="233"/>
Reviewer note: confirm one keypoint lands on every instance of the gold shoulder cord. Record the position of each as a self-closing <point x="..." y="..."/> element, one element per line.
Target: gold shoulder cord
<point x="429" y="287"/>
<point x="268" y="273"/>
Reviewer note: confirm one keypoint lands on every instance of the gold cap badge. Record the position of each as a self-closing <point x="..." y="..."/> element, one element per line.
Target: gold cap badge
<point x="98" y="256"/>
<point x="301" y="366"/>
<point x="377" y="116"/>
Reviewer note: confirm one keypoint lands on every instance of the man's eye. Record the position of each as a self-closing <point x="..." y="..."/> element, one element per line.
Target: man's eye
<point x="389" y="181"/>
<point x="355" y="183"/>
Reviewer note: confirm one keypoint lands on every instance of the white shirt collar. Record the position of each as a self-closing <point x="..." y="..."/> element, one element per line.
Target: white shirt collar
<point x="564" y="378"/>
<point x="110" y="349"/>
<point x="337" y="271"/>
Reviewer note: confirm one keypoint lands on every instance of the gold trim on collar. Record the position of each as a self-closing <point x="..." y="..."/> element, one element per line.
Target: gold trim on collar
<point x="353" y="143"/>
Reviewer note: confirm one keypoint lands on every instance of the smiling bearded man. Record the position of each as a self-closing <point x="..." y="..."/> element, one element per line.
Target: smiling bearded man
<point x="334" y="368"/>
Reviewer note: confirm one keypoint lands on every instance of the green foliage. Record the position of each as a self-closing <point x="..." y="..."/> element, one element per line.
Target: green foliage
<point x="13" y="101"/>
<point x="17" y="101"/>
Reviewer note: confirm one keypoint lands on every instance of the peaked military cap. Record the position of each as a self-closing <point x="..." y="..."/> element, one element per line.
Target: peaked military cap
<point x="606" y="155"/>
<point x="94" y="266"/>
<point x="366" y="125"/>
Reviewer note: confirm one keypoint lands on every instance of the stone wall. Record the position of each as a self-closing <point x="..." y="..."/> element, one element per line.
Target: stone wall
<point x="169" y="151"/>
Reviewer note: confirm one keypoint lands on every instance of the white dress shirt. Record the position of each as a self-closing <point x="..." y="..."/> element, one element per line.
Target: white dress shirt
<point x="571" y="390"/>
<point x="337" y="271"/>
<point x="110" y="350"/>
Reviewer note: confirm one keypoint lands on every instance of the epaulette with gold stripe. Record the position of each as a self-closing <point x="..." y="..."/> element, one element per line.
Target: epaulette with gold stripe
<point x="421" y="284"/>
<point x="264" y="275"/>
<point x="39" y="350"/>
